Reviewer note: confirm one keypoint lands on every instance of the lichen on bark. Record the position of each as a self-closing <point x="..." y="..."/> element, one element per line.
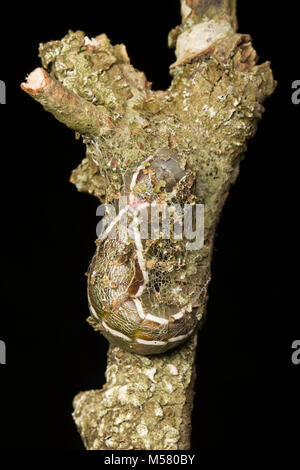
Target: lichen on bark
<point x="207" y="116"/>
<point x="143" y="403"/>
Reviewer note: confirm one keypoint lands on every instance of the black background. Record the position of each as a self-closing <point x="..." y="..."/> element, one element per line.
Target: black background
<point x="247" y="391"/>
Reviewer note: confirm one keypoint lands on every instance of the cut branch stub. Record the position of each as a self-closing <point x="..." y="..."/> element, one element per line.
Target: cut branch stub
<point x="203" y="23"/>
<point x="68" y="108"/>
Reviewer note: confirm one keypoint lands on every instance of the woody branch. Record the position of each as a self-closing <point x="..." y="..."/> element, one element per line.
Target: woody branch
<point x="66" y="106"/>
<point x="208" y="113"/>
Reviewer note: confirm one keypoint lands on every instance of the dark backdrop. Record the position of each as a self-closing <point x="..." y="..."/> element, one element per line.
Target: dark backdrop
<point x="247" y="390"/>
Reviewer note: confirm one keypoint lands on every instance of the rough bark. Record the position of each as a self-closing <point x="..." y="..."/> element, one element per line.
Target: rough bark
<point x="202" y="10"/>
<point x="145" y="404"/>
<point x="207" y="115"/>
<point x="66" y="106"/>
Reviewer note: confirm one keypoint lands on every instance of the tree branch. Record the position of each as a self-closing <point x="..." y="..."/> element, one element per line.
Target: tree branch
<point x="204" y="22"/>
<point x="146" y="402"/>
<point x="204" y="10"/>
<point x="68" y="108"/>
<point x="206" y="118"/>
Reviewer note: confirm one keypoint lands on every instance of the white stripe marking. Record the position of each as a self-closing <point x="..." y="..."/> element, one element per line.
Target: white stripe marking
<point x="162" y="321"/>
<point x="139" y="308"/>
<point x="178" y="315"/>
<point x="154" y="343"/>
<point x="135" y="175"/>
<point x="114" y="222"/>
<point x="115" y="332"/>
<point x="179" y="338"/>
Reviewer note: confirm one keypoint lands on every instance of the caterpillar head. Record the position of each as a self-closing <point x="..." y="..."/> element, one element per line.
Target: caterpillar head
<point x="162" y="177"/>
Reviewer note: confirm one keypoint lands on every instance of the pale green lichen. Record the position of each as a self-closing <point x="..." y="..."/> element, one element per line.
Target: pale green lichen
<point x="206" y="117"/>
<point x="143" y="401"/>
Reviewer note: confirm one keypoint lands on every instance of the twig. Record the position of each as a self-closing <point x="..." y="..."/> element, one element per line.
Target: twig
<point x="66" y="106"/>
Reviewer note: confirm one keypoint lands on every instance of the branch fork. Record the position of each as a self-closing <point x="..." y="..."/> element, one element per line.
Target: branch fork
<point x="207" y="116"/>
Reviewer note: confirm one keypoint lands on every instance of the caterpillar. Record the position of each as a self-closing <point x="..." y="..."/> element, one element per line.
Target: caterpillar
<point x="143" y="293"/>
